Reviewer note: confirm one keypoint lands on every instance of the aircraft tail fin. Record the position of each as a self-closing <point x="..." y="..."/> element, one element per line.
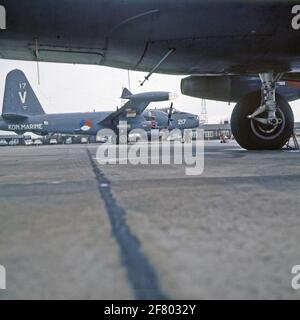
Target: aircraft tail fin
<point x="19" y="100"/>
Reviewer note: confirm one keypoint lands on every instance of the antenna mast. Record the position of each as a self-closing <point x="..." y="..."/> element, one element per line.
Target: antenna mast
<point x="204" y="115"/>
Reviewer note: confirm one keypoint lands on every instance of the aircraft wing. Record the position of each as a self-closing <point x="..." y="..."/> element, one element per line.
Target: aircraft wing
<point x="130" y="110"/>
<point x="137" y="104"/>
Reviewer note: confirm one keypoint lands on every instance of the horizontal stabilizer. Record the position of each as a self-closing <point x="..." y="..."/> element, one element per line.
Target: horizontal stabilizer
<point x="13" y="116"/>
<point x="126" y="94"/>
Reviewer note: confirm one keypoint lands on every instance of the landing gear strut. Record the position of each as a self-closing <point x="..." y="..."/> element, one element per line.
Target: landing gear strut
<point x="263" y="119"/>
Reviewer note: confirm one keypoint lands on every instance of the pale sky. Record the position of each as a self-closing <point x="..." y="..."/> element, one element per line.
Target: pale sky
<point x="80" y="88"/>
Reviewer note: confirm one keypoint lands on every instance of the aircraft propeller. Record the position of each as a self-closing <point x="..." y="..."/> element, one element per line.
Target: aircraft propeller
<point x="170" y="114"/>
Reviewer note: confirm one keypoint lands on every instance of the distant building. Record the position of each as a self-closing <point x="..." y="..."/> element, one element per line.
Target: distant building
<point x="214" y="131"/>
<point x="297" y="129"/>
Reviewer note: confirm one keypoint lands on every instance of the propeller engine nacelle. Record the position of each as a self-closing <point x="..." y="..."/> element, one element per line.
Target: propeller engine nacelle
<point x="232" y="88"/>
<point x="156" y="96"/>
<point x="220" y="88"/>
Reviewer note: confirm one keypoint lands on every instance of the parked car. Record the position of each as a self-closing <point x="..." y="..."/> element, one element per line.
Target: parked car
<point x="69" y="140"/>
<point x="3" y="142"/>
<point x="84" y="140"/>
<point x="13" y="142"/>
<point x="28" y="142"/>
<point x="38" y="142"/>
<point x="53" y="141"/>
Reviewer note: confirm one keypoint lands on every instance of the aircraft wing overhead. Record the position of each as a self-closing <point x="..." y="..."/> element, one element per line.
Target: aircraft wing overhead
<point x="293" y="76"/>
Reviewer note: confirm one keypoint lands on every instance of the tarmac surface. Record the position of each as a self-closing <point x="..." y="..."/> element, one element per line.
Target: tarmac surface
<point x="74" y="229"/>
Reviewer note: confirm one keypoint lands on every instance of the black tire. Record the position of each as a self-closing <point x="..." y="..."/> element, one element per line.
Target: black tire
<point x="253" y="136"/>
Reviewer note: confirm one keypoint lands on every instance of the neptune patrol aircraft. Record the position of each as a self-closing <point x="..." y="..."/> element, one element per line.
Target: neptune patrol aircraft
<point x="22" y="112"/>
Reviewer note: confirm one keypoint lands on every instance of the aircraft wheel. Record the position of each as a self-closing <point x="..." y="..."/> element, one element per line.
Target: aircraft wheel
<point x="253" y="135"/>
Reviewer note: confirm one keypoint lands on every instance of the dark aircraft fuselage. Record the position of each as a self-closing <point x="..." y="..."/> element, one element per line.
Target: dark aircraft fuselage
<point x="69" y="123"/>
<point x="89" y="123"/>
<point x="208" y="36"/>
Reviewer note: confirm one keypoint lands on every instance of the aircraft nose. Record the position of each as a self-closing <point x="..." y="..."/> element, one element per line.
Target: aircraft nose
<point x="195" y="122"/>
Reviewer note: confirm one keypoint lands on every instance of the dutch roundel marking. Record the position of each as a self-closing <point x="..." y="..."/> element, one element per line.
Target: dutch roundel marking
<point x="86" y="125"/>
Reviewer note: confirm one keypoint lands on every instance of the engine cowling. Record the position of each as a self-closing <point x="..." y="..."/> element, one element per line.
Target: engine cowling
<point x="220" y="88"/>
<point x="232" y="88"/>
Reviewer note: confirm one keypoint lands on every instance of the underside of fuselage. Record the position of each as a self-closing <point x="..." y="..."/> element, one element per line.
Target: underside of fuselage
<point x="252" y="44"/>
<point x="208" y="37"/>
